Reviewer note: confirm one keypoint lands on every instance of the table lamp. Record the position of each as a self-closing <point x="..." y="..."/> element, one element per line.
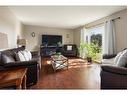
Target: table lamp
<point x="21" y="42"/>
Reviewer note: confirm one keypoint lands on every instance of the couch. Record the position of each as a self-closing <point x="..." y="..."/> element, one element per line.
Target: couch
<point x="69" y="50"/>
<point x="32" y="65"/>
<point x="113" y="77"/>
<point x="108" y="59"/>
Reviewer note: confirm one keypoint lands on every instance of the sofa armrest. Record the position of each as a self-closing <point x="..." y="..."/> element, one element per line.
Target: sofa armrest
<point x="106" y="56"/>
<point x="114" y="69"/>
<point x="20" y="63"/>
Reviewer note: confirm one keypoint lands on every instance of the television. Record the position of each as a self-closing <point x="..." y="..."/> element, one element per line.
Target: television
<point x="51" y="40"/>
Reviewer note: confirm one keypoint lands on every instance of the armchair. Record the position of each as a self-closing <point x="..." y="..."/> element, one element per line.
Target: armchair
<point x="105" y="56"/>
<point x="69" y="50"/>
<point x="113" y="77"/>
<point x="108" y="59"/>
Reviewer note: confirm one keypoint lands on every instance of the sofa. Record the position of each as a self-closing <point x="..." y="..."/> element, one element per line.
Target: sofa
<point x="108" y="59"/>
<point x="69" y="50"/>
<point x="33" y="65"/>
<point x="113" y="76"/>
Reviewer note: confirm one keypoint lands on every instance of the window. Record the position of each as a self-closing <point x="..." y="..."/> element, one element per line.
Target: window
<point x="94" y="35"/>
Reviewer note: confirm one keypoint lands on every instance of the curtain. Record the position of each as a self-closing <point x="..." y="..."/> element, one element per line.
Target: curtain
<point x="82" y="40"/>
<point x="109" y="38"/>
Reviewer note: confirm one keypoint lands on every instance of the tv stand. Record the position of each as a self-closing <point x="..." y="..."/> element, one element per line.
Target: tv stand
<point x="49" y="50"/>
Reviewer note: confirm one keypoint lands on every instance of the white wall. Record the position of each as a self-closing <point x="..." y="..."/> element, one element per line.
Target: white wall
<point x="121" y="30"/>
<point x="77" y="36"/>
<point x="33" y="43"/>
<point x="10" y="26"/>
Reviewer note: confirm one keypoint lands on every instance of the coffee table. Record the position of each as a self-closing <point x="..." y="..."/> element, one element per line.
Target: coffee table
<point x="59" y="62"/>
<point x="13" y="77"/>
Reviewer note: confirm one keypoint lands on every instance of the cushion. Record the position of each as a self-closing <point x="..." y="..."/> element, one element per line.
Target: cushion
<point x="24" y="55"/>
<point x="108" y="61"/>
<point x="117" y="57"/>
<point x="27" y="55"/>
<point x="122" y="60"/>
<point x="69" y="47"/>
<point x="21" y="56"/>
<point x="17" y="57"/>
<point x="7" y="58"/>
<point x="30" y="55"/>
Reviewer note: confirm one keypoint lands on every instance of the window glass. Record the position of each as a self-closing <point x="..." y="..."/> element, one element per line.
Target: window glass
<point x="94" y="35"/>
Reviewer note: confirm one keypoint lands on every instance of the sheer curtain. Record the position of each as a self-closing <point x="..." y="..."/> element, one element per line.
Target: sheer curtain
<point x="109" y="38"/>
<point x="82" y="40"/>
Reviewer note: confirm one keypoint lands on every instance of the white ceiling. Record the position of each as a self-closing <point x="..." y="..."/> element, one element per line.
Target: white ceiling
<point x="69" y="17"/>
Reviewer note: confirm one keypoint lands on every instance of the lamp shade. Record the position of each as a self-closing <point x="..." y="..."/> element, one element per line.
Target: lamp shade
<point x="21" y="42"/>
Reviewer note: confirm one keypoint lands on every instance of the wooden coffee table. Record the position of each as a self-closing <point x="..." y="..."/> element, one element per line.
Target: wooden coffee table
<point x="13" y="77"/>
<point x="59" y="62"/>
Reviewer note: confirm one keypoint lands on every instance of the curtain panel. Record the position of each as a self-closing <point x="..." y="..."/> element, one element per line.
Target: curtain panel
<point x="109" y="38"/>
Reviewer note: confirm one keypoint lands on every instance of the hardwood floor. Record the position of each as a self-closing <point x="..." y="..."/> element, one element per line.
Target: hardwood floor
<point x="78" y="76"/>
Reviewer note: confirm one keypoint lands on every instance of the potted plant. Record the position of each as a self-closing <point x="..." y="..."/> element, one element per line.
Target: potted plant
<point x="90" y="51"/>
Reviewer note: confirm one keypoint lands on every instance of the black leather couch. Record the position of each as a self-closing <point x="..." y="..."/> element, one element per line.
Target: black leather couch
<point x="69" y="53"/>
<point x="113" y="77"/>
<point x="32" y="65"/>
<point x="106" y="56"/>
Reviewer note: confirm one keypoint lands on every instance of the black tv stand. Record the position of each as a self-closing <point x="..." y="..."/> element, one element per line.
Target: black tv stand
<point x="47" y="51"/>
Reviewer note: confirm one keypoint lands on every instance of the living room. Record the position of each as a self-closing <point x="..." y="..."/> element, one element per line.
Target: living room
<point x="28" y="26"/>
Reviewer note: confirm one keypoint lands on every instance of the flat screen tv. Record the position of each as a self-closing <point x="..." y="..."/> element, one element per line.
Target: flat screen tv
<point x="51" y="40"/>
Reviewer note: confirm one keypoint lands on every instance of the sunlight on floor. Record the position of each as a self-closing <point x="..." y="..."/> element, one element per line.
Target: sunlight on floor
<point x="75" y="63"/>
<point x="48" y="62"/>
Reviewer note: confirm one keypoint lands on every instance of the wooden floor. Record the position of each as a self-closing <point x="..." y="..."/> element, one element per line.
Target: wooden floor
<point x="79" y="76"/>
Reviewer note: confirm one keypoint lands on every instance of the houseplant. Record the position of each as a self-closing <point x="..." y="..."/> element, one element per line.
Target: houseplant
<point x="90" y="51"/>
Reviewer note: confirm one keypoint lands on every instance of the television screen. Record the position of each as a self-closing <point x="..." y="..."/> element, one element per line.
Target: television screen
<point x="51" y="40"/>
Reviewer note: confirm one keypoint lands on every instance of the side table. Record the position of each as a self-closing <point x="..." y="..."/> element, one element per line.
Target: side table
<point x="12" y="77"/>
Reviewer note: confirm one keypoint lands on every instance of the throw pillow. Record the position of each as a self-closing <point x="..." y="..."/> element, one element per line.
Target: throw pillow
<point x="17" y="56"/>
<point x="69" y="47"/>
<point x="27" y="55"/>
<point x="117" y="57"/>
<point x="7" y="58"/>
<point x="21" y="56"/>
<point x="122" y="60"/>
<point x="24" y="55"/>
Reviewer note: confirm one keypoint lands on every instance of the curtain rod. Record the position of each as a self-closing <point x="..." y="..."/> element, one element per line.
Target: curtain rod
<point x="115" y="18"/>
<point x="95" y="25"/>
<point x="103" y="22"/>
